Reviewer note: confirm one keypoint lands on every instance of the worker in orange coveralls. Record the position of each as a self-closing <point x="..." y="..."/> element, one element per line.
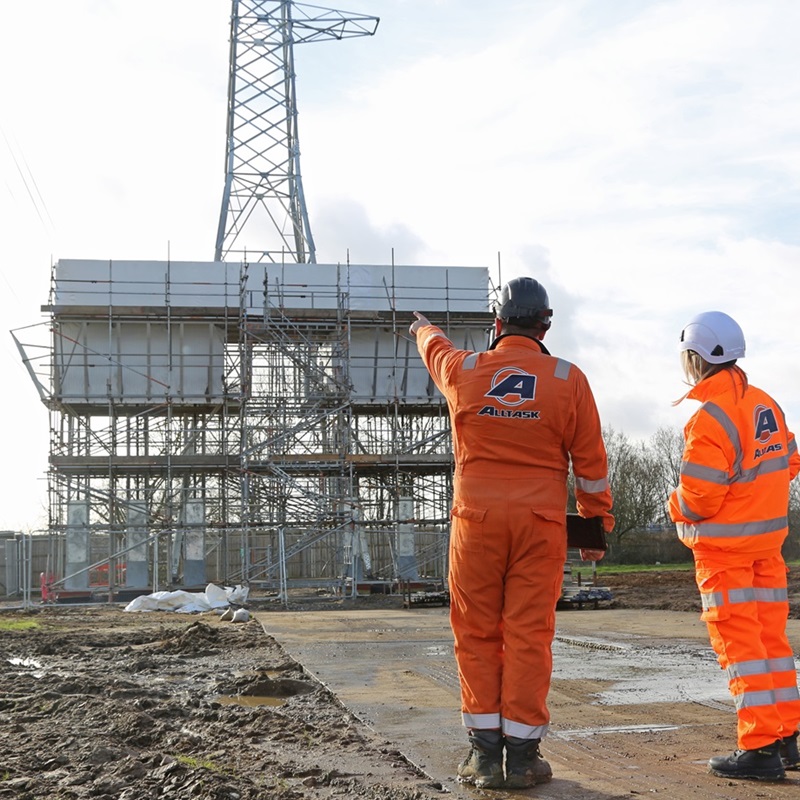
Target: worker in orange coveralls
<point x="731" y="509"/>
<point x="518" y="415"/>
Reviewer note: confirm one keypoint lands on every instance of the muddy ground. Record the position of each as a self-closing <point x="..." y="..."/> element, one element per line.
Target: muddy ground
<point x="674" y="590"/>
<point x="99" y="703"/>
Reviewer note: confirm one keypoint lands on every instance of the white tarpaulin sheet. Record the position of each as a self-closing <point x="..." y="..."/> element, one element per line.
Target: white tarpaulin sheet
<point x="190" y="602"/>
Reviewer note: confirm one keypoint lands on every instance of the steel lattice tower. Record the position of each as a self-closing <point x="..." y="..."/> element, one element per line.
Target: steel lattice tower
<point x="263" y="207"/>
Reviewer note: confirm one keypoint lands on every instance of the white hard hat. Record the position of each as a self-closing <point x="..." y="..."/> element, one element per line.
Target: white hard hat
<point x="715" y="336"/>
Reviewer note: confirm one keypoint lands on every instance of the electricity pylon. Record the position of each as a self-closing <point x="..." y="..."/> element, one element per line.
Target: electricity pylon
<point x="264" y="212"/>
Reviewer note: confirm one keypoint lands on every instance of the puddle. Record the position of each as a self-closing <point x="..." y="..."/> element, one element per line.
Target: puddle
<point x="261" y="689"/>
<point x="583" y="733"/>
<point x="673" y="673"/>
<point x="248" y="701"/>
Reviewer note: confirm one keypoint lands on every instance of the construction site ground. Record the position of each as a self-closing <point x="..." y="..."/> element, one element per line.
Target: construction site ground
<point x="357" y="698"/>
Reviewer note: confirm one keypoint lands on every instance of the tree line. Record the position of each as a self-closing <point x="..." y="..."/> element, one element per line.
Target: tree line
<point x="642" y="475"/>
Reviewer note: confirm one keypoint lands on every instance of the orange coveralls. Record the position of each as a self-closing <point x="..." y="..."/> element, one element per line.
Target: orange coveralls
<point x="517" y="417"/>
<point x="731" y="509"/>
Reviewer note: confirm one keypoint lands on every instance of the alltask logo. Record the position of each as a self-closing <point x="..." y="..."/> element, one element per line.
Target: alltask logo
<point x="766" y="425"/>
<point x="508" y="413"/>
<point x="512" y="386"/>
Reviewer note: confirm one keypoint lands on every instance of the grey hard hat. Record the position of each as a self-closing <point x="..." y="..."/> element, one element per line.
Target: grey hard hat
<point x="525" y="300"/>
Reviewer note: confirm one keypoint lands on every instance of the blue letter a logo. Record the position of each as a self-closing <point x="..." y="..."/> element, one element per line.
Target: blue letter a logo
<point x="766" y="424"/>
<point x="511" y="386"/>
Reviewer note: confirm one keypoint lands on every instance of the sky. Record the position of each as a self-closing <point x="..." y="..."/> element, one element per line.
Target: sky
<point x="641" y="158"/>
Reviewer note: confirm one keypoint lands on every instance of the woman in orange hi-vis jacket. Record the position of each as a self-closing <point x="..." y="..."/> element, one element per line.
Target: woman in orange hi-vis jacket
<point x="518" y="416"/>
<point x="731" y="509"/>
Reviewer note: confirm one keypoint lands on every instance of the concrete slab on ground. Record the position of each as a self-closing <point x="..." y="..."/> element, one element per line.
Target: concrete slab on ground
<point x="638" y="700"/>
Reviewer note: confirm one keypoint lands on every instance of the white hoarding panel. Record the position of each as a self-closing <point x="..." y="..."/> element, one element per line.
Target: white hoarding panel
<point x="382" y="288"/>
<point x="146" y="283"/>
<point x="384" y="366"/>
<point x="184" y="284"/>
<point x="306" y="286"/>
<point x="138" y="362"/>
<point x="368" y="288"/>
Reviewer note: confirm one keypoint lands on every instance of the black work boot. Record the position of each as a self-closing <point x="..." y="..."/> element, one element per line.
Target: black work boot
<point x="524" y="763"/>
<point x="790" y="755"/>
<point x="483" y="767"/>
<point x="763" y="764"/>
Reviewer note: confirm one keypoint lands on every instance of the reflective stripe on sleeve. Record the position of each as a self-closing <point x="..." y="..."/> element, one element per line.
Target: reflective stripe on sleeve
<point x="686" y="531"/>
<point x="432" y="337"/>
<point x="704" y="473"/>
<point x="591" y="487"/>
<point x="470" y="361"/>
<point x="562" y="369"/>
<point x="685" y="510"/>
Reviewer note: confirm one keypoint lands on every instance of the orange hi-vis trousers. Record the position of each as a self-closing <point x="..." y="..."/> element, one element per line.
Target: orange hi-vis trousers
<point x="507" y="553"/>
<point x="745" y="607"/>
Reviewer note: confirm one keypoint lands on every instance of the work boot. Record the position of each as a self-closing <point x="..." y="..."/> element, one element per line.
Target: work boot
<point x="483" y="767"/>
<point x="524" y="763"/>
<point x="790" y="755"/>
<point x="763" y="764"/>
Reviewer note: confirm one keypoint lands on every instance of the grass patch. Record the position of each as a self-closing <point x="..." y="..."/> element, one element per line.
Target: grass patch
<point x="197" y="763"/>
<point x="17" y="624"/>
<point x="611" y="569"/>
<point x="622" y="569"/>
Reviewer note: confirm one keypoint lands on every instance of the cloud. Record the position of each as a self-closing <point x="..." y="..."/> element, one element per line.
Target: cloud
<point x="343" y="232"/>
<point x="640" y="157"/>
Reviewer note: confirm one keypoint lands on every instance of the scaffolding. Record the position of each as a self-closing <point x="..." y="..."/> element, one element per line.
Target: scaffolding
<point x="245" y="424"/>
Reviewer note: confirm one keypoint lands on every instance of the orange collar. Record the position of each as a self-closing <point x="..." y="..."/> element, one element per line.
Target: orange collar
<point x="716" y="384"/>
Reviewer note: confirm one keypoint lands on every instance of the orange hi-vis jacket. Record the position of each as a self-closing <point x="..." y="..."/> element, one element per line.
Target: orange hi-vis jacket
<point x="519" y="412"/>
<point x="738" y="460"/>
